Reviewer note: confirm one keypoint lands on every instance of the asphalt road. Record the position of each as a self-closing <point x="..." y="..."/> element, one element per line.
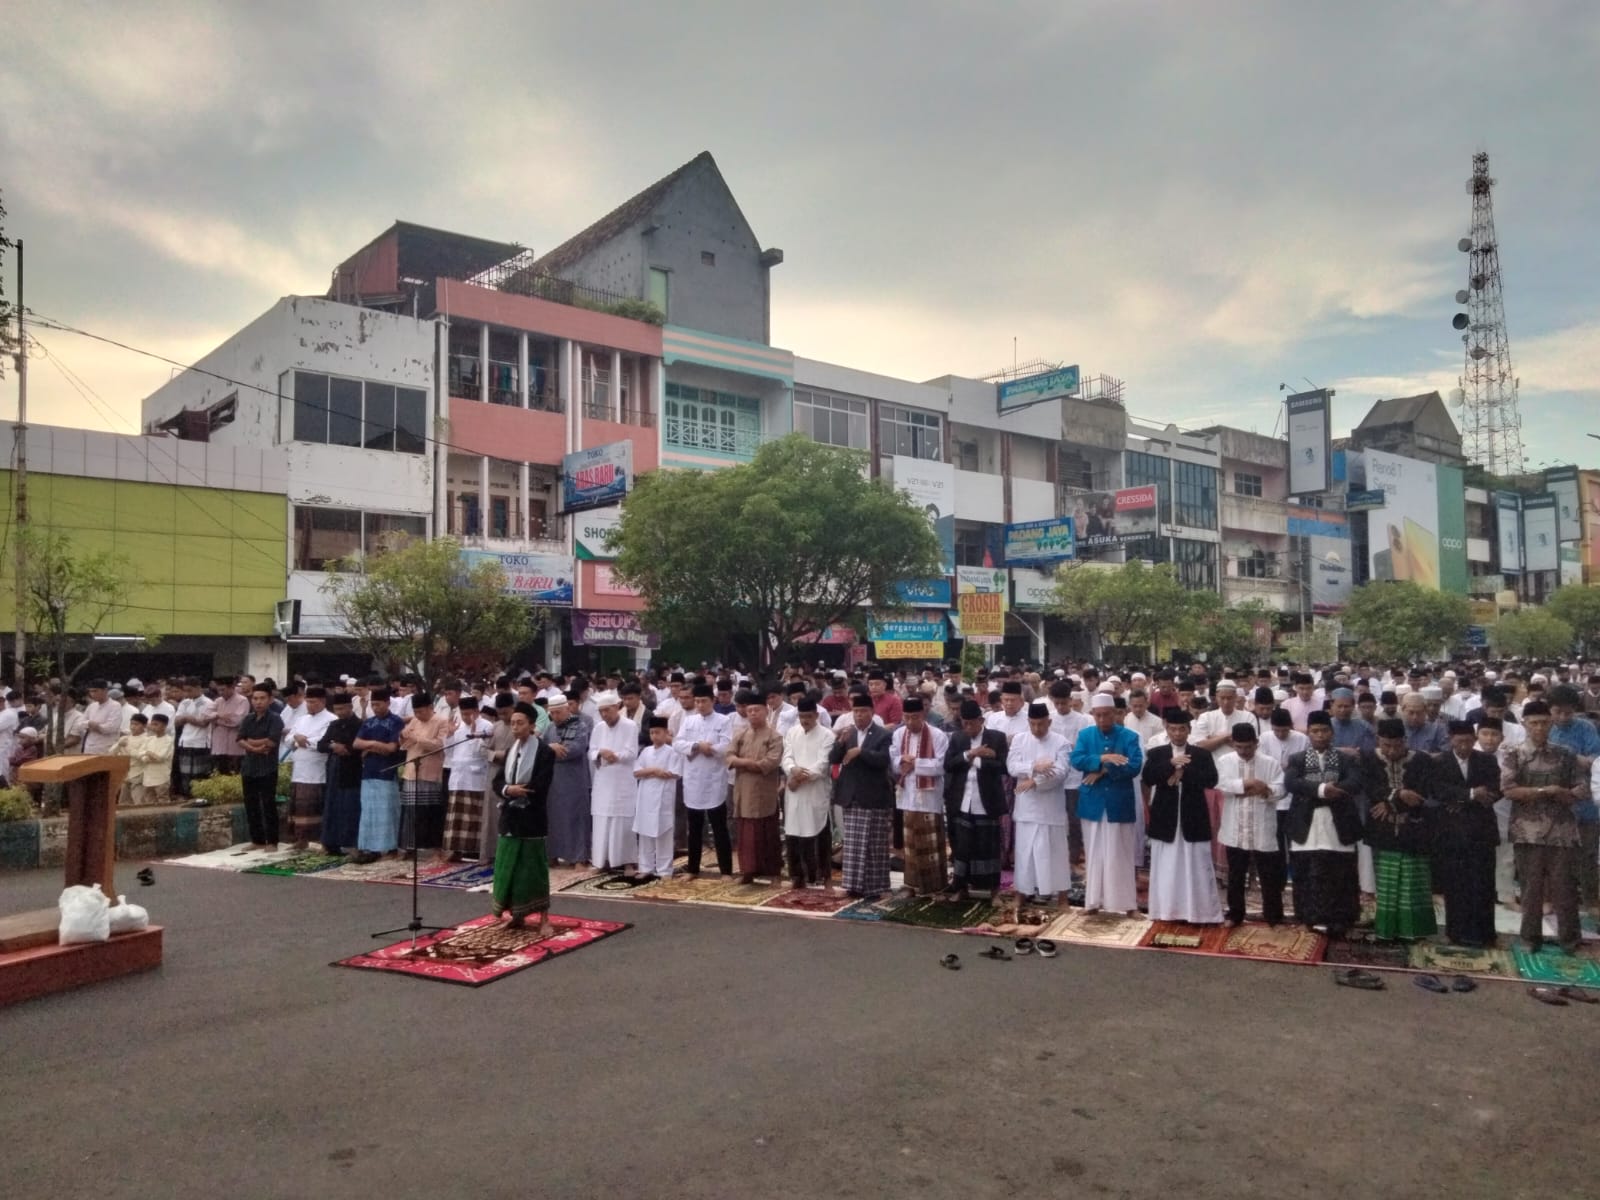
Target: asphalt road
<point x="706" y="1053"/>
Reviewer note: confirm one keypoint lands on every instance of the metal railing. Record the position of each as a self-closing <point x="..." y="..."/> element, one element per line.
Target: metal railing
<point x="518" y="277"/>
<point x="638" y="416"/>
<point x="471" y="523"/>
<point x="714" y="439"/>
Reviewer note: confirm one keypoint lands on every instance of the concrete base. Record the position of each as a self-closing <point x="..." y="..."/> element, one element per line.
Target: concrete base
<point x="43" y="970"/>
<point x="143" y="833"/>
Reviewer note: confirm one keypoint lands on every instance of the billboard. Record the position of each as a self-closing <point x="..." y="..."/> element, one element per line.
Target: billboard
<point x="1033" y="589"/>
<point x="1571" y="561"/>
<point x="923" y="593"/>
<point x="1405" y="535"/>
<point x="593" y="528"/>
<point x="1508" y="521"/>
<point x="1540" y="544"/>
<point x="536" y="578"/>
<point x="1452" y="485"/>
<point x="1040" y="543"/>
<point x="931" y="486"/>
<point x="981" y="600"/>
<point x="916" y="627"/>
<point x="1102" y="519"/>
<point x="1330" y="570"/>
<point x="1310" y="423"/>
<point x="1562" y="483"/>
<point x="596" y="478"/>
<point x="1036" y="389"/>
<point x="593" y="628"/>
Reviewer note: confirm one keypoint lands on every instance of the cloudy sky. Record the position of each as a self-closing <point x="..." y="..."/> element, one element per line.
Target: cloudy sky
<point x="1204" y="199"/>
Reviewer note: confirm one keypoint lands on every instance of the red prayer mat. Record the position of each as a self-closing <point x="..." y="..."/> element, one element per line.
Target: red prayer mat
<point x="1285" y="943"/>
<point x="483" y="950"/>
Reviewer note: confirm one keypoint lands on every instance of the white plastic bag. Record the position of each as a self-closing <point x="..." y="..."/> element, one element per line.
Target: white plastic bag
<point x="128" y="918"/>
<point x="85" y="915"/>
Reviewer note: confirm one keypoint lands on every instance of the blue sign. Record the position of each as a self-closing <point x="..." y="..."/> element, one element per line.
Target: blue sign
<point x="1364" y="499"/>
<point x="922" y="627"/>
<point x="536" y="578"/>
<point x="1478" y="637"/>
<point x="596" y="478"/>
<point x="1040" y="543"/>
<point x="1036" y="389"/>
<point x="924" y="593"/>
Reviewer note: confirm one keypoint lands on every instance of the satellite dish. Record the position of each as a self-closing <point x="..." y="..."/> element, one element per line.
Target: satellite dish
<point x="1464" y="245"/>
<point x="1463" y="296"/>
<point x="1477" y="282"/>
<point x="1460" y="321"/>
<point x="1479" y="352"/>
<point x="1458" y="396"/>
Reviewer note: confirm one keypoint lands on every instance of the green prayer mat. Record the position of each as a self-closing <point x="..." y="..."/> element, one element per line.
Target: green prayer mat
<point x="1554" y="966"/>
<point x="307" y="862"/>
<point x="931" y="912"/>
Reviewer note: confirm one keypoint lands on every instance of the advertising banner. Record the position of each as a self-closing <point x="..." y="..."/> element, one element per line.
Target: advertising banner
<point x="916" y="627"/>
<point x="1032" y="589"/>
<point x="1040" y="543"/>
<point x="892" y="650"/>
<point x="1508" y="519"/>
<point x="537" y="578"/>
<point x="932" y="488"/>
<point x="592" y="529"/>
<point x="1113" y="518"/>
<point x="597" y="477"/>
<point x="606" y="583"/>
<point x="923" y="593"/>
<point x="1310" y="437"/>
<point x="1036" y="389"/>
<point x="1363" y="499"/>
<point x="1562" y="483"/>
<point x="1571" y="560"/>
<point x="1539" y="532"/>
<point x="594" y="628"/>
<point x="1330" y="572"/>
<point x="1403" y="536"/>
<point x="981" y="601"/>
<point x="1452" y="485"/>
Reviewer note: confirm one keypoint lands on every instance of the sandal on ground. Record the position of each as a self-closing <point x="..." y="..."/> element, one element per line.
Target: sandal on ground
<point x="1045" y="947"/>
<point x="1581" y="995"/>
<point x="1545" y="995"/>
<point x="996" y="953"/>
<point x="951" y="962"/>
<point x="1365" y="980"/>
<point x="1462" y="984"/>
<point x="1431" y="983"/>
<point x="1024" y="945"/>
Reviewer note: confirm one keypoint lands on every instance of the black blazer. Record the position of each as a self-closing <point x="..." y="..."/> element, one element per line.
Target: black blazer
<point x="991" y="772"/>
<point x="1460" y="821"/>
<point x="527" y="816"/>
<point x="863" y="782"/>
<point x="1304" y="799"/>
<point x="1185" y="807"/>
<point x="1418" y="774"/>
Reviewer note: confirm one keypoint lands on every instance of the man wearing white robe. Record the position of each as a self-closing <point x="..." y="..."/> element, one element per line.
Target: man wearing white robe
<point x="1110" y="757"/>
<point x="1183" y="882"/>
<point x="703" y="739"/>
<point x="1251" y="783"/>
<point x="613" y="794"/>
<point x="656" y="771"/>
<point x="1038" y="761"/>
<point x="808" y="799"/>
<point x="1069" y="722"/>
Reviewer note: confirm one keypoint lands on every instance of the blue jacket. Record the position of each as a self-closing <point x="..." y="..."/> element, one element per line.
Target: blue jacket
<point x="1581" y="737"/>
<point x="1112" y="795"/>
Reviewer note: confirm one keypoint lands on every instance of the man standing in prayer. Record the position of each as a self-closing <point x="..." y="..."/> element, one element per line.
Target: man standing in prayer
<point x="1544" y="783"/>
<point x="1579" y="735"/>
<point x="521" y="870"/>
<point x="259" y="735"/>
<point x="755" y="754"/>
<point x="1038" y="761"/>
<point x="193" y="724"/>
<point x="703" y="739"/>
<point x="808" y="794"/>
<point x="378" y="743"/>
<point x="341" y="804"/>
<point x="1110" y="757"/>
<point x="102" y="721"/>
<point x="571" y="832"/>
<point x="1324" y="827"/>
<point x="1183" y="881"/>
<point x="1400" y="832"/>
<point x="866" y="795"/>
<point x="974" y="766"/>
<point x="916" y="755"/>
<point x="467" y="761"/>
<point x="1422" y="732"/>
<point x="1251" y="783"/>
<point x="308" y="767"/>
<point x="229" y="709"/>
<point x="657" y="771"/>
<point x="1069" y="722"/>
<point x="422" y="789"/>
<point x="1350" y="732"/>
<point x="1466" y="834"/>
<point x="613" y="800"/>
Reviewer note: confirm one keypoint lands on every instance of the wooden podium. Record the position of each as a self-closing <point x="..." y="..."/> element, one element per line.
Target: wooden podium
<point x="32" y="963"/>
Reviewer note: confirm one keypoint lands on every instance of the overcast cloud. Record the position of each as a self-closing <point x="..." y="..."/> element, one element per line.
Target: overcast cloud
<point x="1203" y="199"/>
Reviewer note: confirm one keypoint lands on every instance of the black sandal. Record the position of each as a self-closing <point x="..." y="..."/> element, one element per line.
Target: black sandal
<point x="1045" y="947"/>
<point x="1365" y="980"/>
<point x="1024" y="946"/>
<point x="951" y="962"/>
<point x="1462" y="984"/>
<point x="1431" y="983"/>
<point x="996" y="953"/>
<point x="1551" y="996"/>
<point x="1581" y="995"/>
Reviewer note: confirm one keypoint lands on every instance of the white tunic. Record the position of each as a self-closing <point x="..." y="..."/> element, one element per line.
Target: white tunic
<point x="656" y="797"/>
<point x="1069" y="725"/>
<point x="806" y="805"/>
<point x="468" y="757"/>
<point x="1045" y="803"/>
<point x="1249" y="822"/>
<point x="705" y="781"/>
<point x="922" y="789"/>
<point x="1012" y="726"/>
<point x="309" y="765"/>
<point x="613" y="792"/>
<point x="1148" y="727"/>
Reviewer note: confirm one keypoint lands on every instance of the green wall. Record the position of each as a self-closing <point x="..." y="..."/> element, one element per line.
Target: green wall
<point x="207" y="562"/>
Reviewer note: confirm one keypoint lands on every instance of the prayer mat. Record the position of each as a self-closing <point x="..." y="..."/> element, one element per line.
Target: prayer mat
<point x="562" y="878"/>
<point x="1180" y="935"/>
<point x="305" y="862"/>
<point x="807" y="901"/>
<point x="1367" y="951"/>
<point x="678" y="888"/>
<point x="602" y="883"/>
<point x="385" y="870"/>
<point x="1096" y="929"/>
<point x="463" y="877"/>
<point x="1509" y="921"/>
<point x="740" y="895"/>
<point x="1285" y="943"/>
<point x="1462" y="960"/>
<point x="1553" y="966"/>
<point x="930" y="912"/>
<point x="483" y="950"/>
<point x="234" y="858"/>
<point x="426" y="870"/>
<point x="873" y="910"/>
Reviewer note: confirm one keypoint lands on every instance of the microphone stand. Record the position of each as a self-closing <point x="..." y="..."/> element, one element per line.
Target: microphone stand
<point x="415" y="925"/>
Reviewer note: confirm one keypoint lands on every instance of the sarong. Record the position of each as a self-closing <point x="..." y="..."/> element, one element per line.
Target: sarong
<point x="975" y="852"/>
<point x="463" y="824"/>
<point x="760" y="843"/>
<point x="867" y="832"/>
<point x="1325" y="888"/>
<point x="1405" y="896"/>
<point x="924" y="852"/>
<point x="1108" y="874"/>
<point x="421" y="814"/>
<point x="521" y="877"/>
<point x="305" y="811"/>
<point x="379" y="831"/>
<point x="192" y="765"/>
<point x="341" y="818"/>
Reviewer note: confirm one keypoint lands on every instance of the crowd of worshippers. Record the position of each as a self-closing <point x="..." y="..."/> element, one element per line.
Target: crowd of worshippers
<point x="1389" y="784"/>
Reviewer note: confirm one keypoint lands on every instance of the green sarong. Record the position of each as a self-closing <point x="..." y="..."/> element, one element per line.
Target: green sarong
<point x="521" y="876"/>
<point x="1405" y="896"/>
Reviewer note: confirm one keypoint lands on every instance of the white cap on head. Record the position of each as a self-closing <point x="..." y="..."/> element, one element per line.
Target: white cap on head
<point x="1102" y="700"/>
<point x="1537" y="678"/>
<point x="607" y="698"/>
<point x="1432" y="693"/>
<point x="135" y="686"/>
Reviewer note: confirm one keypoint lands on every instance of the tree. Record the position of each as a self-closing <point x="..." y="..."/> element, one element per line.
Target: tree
<point x="1403" y="621"/>
<point x="1132" y="605"/>
<point x="1532" y="633"/>
<point x="770" y="551"/>
<point x="1579" y="607"/>
<point x="1228" y="634"/>
<point x="418" y="605"/>
<point x="1319" y="644"/>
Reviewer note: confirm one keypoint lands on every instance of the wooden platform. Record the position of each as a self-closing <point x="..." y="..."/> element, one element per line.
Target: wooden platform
<point x="23" y="931"/>
<point x="40" y="970"/>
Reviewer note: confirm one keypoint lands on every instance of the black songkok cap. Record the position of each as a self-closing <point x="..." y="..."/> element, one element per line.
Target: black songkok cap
<point x="1319" y="718"/>
<point x="1179" y="716"/>
<point x="1462" y="727"/>
<point x="912" y="704"/>
<point x="1264" y="695"/>
<point x="971" y="710"/>
<point x="1280" y="716"/>
<point x="807" y="705"/>
<point x="656" y="723"/>
<point x="1038" y="711"/>
<point x="1391" y="727"/>
<point x="1491" y="723"/>
<point x="1011" y="687"/>
<point x="1244" y="732"/>
<point x="527" y="710"/>
<point x="860" y="700"/>
<point x="703" y="689"/>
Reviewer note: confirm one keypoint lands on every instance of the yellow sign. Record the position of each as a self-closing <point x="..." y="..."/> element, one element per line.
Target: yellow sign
<point x="887" y="650"/>
<point x="983" y="614"/>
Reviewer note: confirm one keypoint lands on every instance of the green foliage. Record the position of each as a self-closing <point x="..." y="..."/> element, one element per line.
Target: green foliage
<point x="633" y="310"/>
<point x="1319" y="644"/>
<point x="16" y="804"/>
<point x="1131" y="606"/>
<point x="769" y="550"/>
<point x="972" y="657"/>
<point x="1579" y="607"/>
<point x="419" y="605"/>
<point x="1230" y="635"/>
<point x="1403" y="621"/>
<point x="1532" y="633"/>
<point x="219" y="789"/>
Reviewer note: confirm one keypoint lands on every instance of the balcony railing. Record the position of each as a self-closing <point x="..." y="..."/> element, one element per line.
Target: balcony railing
<point x="473" y="524"/>
<point x="504" y="385"/>
<point x="638" y="416"/>
<point x="704" y="437"/>
<point x="518" y="277"/>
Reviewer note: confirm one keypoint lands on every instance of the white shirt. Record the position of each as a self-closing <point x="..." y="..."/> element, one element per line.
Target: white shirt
<point x="102" y="727"/>
<point x="846" y="720"/>
<point x="784" y="719"/>
<point x="1046" y="802"/>
<point x="1456" y="706"/>
<point x="1249" y="822"/>
<point x="1148" y="727"/>
<point x="468" y="756"/>
<point x="10" y="722"/>
<point x="613" y="792"/>
<point x="196" y="736"/>
<point x="1011" y="726"/>
<point x="1216" y="723"/>
<point x="310" y="765"/>
<point x="705" y="780"/>
<point x="653" y="815"/>
<point x="922" y="789"/>
<point x="806" y="805"/>
<point x="1280" y="750"/>
<point x="1323" y="834"/>
<point x="400" y="706"/>
<point x="1069" y="725"/>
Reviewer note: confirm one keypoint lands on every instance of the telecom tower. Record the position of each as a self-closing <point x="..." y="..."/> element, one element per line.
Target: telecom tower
<point x="1487" y="397"/>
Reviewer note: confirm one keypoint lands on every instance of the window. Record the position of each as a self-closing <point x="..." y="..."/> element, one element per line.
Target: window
<point x="335" y="411"/>
<point x="832" y="420"/>
<point x="707" y="259"/>
<point x="1142" y="470"/>
<point x="382" y="531"/>
<point x="325" y="536"/>
<point x="1195" y="563"/>
<point x="1195" y="494"/>
<point x="660" y="289"/>
<point x="971" y="545"/>
<point x="910" y="432"/>
<point x="712" y="422"/>
<point x="1246" y="485"/>
<point x="1075" y="471"/>
<point x="964" y="455"/>
<point x="1257" y="564"/>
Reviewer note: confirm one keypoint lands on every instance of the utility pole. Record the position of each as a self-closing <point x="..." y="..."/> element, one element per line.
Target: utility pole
<point x="19" y="667"/>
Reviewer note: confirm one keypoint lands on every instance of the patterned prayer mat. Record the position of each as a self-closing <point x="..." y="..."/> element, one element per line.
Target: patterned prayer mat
<point x="807" y="901"/>
<point x="1461" y="960"/>
<point x="1363" y="950"/>
<point x="874" y="910"/>
<point x="305" y="862"/>
<point x="235" y="858"/>
<point x="463" y="877"/>
<point x="1555" y="967"/>
<point x="483" y="950"/>
<point x="561" y="878"/>
<point x="1180" y="935"/>
<point x="714" y="889"/>
<point x="1509" y="921"/>
<point x="933" y="913"/>
<point x="603" y="883"/>
<point x="385" y="870"/>
<point x="1285" y="943"/>
<point x="1096" y="929"/>
<point x="426" y="871"/>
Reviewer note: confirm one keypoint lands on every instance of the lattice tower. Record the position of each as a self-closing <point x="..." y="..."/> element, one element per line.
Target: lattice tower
<point x="1491" y="422"/>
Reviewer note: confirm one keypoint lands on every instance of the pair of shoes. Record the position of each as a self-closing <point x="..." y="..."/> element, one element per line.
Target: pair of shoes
<point x="951" y="962"/>
<point x="1024" y="946"/>
<point x="1571" y="993"/>
<point x="1431" y="983"/>
<point x="1355" y="978"/>
<point x="1546" y="995"/>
